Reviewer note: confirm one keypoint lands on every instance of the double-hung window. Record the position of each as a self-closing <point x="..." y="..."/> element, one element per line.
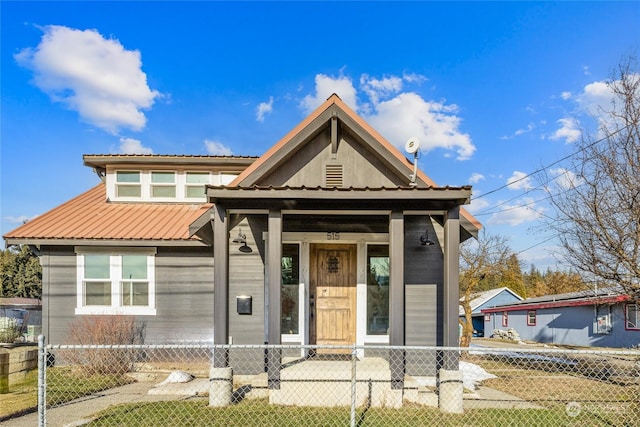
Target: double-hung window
<point x="116" y="281"/>
<point x="128" y="184"/>
<point x="195" y="184"/>
<point x="163" y="185"/>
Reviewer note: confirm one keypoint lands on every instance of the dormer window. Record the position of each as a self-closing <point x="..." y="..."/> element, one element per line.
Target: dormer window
<point x="128" y="184"/>
<point x="163" y="184"/>
<point x="195" y="184"/>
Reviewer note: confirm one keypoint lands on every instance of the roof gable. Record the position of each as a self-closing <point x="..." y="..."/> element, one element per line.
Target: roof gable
<point x="332" y="131"/>
<point x="335" y="136"/>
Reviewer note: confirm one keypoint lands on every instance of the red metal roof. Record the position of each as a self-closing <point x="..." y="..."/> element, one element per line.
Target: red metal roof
<point x="91" y="216"/>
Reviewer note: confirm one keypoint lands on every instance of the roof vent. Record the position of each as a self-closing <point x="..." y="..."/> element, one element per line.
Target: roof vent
<point x="333" y="175"/>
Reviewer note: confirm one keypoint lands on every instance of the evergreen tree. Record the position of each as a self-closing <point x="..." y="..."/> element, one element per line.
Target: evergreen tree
<point x="20" y="272"/>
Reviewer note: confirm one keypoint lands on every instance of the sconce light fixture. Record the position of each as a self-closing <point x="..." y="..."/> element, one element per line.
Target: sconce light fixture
<point x="242" y="238"/>
<point x="425" y="240"/>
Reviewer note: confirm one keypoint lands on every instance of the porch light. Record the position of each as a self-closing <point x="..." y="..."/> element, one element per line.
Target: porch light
<point x="425" y="241"/>
<point x="242" y="238"/>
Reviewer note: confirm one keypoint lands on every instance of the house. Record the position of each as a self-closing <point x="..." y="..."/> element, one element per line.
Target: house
<point x="317" y="241"/>
<point x="23" y="313"/>
<point x="600" y="318"/>
<point x="487" y="299"/>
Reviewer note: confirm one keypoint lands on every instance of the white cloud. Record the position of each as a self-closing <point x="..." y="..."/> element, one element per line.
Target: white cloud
<point x="264" y="108"/>
<point x="399" y="115"/>
<point x="517" y="214"/>
<point x="376" y="88"/>
<point x="434" y="123"/>
<point x="22" y="219"/>
<point x="216" y="148"/>
<point x="519" y="181"/>
<point x="595" y="97"/>
<point x="565" y="95"/>
<point x="325" y="87"/>
<point x="475" y="178"/>
<point x="586" y="70"/>
<point x="414" y="78"/>
<point x="565" y="179"/>
<point x="477" y="205"/>
<point x="95" y="76"/>
<point x="569" y="130"/>
<point x="133" y="146"/>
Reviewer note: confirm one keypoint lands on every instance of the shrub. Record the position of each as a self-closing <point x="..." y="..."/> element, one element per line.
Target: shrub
<point x="9" y="330"/>
<point x="104" y="330"/>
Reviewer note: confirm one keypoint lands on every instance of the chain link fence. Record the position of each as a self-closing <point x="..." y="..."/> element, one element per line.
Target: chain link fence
<point x="198" y="385"/>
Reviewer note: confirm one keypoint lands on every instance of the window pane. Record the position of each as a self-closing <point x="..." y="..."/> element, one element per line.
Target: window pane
<point x="96" y="267"/>
<point x="290" y="289"/>
<point x="134" y="267"/>
<point x="97" y="293"/>
<point x="197" y="177"/>
<point x="168" y="191"/>
<point x="127" y="176"/>
<point x="135" y="293"/>
<point x="128" y="190"/>
<point x="163" y="177"/>
<point x="377" y="289"/>
<point x="195" y="191"/>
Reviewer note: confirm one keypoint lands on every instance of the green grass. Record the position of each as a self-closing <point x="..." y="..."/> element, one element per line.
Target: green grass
<point x="260" y="413"/>
<point x="63" y="385"/>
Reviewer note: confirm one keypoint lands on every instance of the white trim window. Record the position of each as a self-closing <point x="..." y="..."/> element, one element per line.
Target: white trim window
<point x="163" y="185"/>
<point x="115" y="281"/>
<point x="194" y="186"/>
<point x="128" y="184"/>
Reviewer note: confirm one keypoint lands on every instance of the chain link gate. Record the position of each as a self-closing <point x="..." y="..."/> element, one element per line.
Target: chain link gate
<point x="177" y="385"/>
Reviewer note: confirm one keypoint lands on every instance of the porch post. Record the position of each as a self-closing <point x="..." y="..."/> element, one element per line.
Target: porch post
<point x="450" y="392"/>
<point x="220" y="286"/>
<point x="451" y="278"/>
<point x="396" y="298"/>
<point x="274" y="251"/>
<point x="220" y="374"/>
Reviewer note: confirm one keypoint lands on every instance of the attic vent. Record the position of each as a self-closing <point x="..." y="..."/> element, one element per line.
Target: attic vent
<point x="333" y="175"/>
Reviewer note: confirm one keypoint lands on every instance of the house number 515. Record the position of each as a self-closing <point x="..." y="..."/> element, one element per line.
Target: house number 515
<point x="333" y="235"/>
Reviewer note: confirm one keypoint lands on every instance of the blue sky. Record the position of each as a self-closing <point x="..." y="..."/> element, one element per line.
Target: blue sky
<point x="493" y="91"/>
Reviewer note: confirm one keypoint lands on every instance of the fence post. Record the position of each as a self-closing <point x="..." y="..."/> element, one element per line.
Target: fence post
<point x="354" y="386"/>
<point x="42" y="382"/>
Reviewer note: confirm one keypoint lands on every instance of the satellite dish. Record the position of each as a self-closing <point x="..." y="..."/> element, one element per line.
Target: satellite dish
<point x="412" y="145"/>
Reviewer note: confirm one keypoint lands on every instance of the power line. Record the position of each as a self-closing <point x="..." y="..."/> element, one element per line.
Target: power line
<point x="543" y="168"/>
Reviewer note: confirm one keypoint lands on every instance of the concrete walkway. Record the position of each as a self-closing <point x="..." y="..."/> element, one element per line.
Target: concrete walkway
<point x="80" y="411"/>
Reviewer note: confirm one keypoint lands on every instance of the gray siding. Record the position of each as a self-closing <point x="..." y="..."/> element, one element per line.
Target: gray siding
<point x="247" y="277"/>
<point x="423" y="273"/>
<point x="58" y="292"/>
<point x="184" y="295"/>
<point x="360" y="167"/>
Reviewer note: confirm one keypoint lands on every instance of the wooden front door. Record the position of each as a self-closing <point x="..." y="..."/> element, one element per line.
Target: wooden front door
<point x="332" y="294"/>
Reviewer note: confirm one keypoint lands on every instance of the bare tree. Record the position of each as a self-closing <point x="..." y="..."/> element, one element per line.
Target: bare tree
<point x="480" y="260"/>
<point x="598" y="212"/>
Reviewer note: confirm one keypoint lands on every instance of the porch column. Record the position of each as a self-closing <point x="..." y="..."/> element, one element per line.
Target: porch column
<point x="451" y="284"/>
<point x="220" y="285"/>
<point x="450" y="387"/>
<point x="220" y="374"/>
<point x="396" y="298"/>
<point x="274" y="356"/>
